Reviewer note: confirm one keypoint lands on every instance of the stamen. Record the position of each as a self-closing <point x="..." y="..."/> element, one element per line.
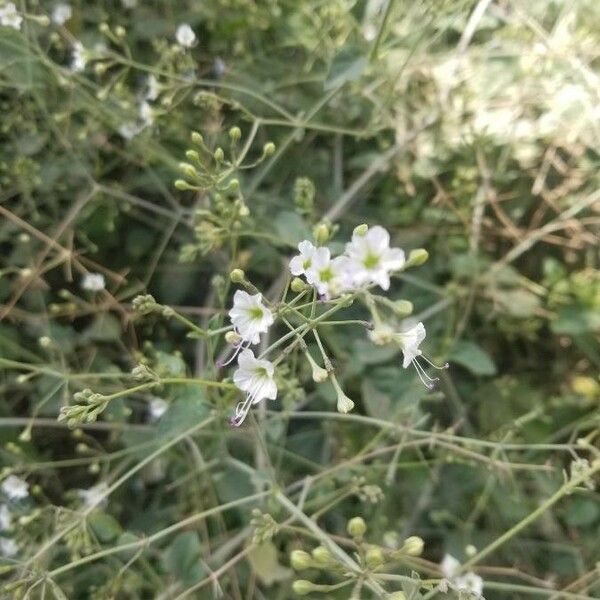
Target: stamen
<point x="444" y="366"/>
<point x="429" y="386"/>
<point x="431" y="381"/>
<point x="237" y="350"/>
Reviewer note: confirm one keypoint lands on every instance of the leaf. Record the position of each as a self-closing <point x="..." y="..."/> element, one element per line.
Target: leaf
<point x="104" y="328"/>
<point x="576" y="320"/>
<point x="582" y="512"/>
<point x="348" y="65"/>
<point x="291" y="227"/>
<point x="474" y="358"/>
<point x="264" y="562"/>
<point x="189" y="407"/>
<point x="105" y="527"/>
<point x="182" y="558"/>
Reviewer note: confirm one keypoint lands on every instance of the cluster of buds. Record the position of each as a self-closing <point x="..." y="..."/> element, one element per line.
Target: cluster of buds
<point x="265" y="526"/>
<point x="86" y="410"/>
<point x="372" y="559"/>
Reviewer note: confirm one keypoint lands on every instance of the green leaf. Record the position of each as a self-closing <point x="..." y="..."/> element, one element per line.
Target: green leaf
<point x="182" y="558"/>
<point x="576" y="320"/>
<point x="291" y="227"/>
<point x="264" y="562"/>
<point x="474" y="358"/>
<point x="189" y="407"/>
<point x="348" y="65"/>
<point x="582" y="512"/>
<point x="105" y="527"/>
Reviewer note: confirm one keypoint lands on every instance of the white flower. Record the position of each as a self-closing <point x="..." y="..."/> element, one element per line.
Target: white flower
<point x="9" y="17"/>
<point x="344" y="404"/>
<point x="409" y="341"/>
<point x="5" y="517"/>
<point x="94" y="496"/>
<point x="130" y="129"/>
<point x="255" y="377"/>
<point x="146" y="113"/>
<point x="371" y="258"/>
<point x="382" y="334"/>
<point x="185" y="36"/>
<point x="78" y="58"/>
<point x="326" y="274"/>
<point x="93" y="282"/>
<point x="8" y="547"/>
<point x="249" y="316"/>
<point x="62" y="13"/>
<point x="468" y="582"/>
<point x="300" y="264"/>
<point x="15" y="487"/>
<point x="152" y="88"/>
<point x="157" y="407"/>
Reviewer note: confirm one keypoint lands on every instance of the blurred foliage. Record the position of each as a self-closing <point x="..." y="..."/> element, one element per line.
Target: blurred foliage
<point x="473" y="133"/>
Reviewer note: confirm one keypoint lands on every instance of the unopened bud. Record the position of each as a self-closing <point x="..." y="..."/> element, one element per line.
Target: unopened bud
<point x="235" y="133"/>
<point x="321" y="555"/>
<point x="219" y="155"/>
<point x="413" y="546"/>
<point x="374" y="557"/>
<point x="361" y="230"/>
<point x="197" y="138"/>
<point x="319" y="374"/>
<point x="237" y="276"/>
<point x="269" y="149"/>
<point x="417" y="257"/>
<point x="344" y="404"/>
<point x="356" y="527"/>
<point x="397" y="596"/>
<point x="192" y="155"/>
<point x="120" y="31"/>
<point x="298" y="285"/>
<point x="183" y="185"/>
<point x="233" y="338"/>
<point x="188" y="170"/>
<point x="321" y="233"/>
<point x="403" y="308"/>
<point x="303" y="587"/>
<point x="300" y="560"/>
<point x="45" y="341"/>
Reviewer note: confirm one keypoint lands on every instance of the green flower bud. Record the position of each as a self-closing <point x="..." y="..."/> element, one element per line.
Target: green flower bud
<point x="413" y="546"/>
<point x="298" y="285"/>
<point x="300" y="560"/>
<point x="374" y="557"/>
<point x="188" y="170"/>
<point x="219" y="155"/>
<point x="417" y="257"/>
<point x="269" y="149"/>
<point x="183" y="185"/>
<point x="197" y="138"/>
<point x="321" y="233"/>
<point x="361" y="230"/>
<point x="237" y="276"/>
<point x="356" y="527"/>
<point x="235" y="133"/>
<point x="302" y="587"/>
<point x="403" y="308"/>
<point x="322" y="556"/>
<point x="397" y="596"/>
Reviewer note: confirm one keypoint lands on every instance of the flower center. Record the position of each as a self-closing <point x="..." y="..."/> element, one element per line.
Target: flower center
<point x="261" y="372"/>
<point x="256" y="313"/>
<point x="326" y="275"/>
<point x="371" y="260"/>
<point x="306" y="264"/>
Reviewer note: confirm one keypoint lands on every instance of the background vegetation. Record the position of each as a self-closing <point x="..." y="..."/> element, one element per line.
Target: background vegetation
<point x="468" y="128"/>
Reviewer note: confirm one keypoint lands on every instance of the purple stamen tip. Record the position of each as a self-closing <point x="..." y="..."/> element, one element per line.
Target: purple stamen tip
<point x="233" y="422"/>
<point x="219" y="364"/>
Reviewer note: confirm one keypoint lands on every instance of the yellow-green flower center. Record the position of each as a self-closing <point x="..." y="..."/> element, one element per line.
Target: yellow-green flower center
<point x="371" y="260"/>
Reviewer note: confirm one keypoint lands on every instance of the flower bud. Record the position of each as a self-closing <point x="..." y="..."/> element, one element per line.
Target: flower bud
<point x="197" y="138"/>
<point x="300" y="560"/>
<point x="361" y="230"/>
<point x="120" y="31"/>
<point x="321" y="555"/>
<point x="192" y="155"/>
<point x="382" y="334"/>
<point x="397" y="596"/>
<point x="269" y="149"/>
<point x="237" y="276"/>
<point x="302" y="587"/>
<point x="235" y="133"/>
<point x="183" y="185"/>
<point x="413" y="546"/>
<point x="45" y="341"/>
<point x="298" y="285"/>
<point x="319" y="374"/>
<point x="403" y="308"/>
<point x="219" y="155"/>
<point x="231" y="337"/>
<point x="374" y="557"/>
<point x="356" y="527"/>
<point x="344" y="404"/>
<point x="321" y="233"/>
<point x="417" y="257"/>
<point x="188" y="170"/>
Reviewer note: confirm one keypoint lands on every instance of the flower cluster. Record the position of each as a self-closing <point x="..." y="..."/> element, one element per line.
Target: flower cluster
<point x="367" y="261"/>
<point x="467" y="582"/>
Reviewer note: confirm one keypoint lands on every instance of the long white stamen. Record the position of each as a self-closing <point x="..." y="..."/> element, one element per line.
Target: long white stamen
<point x="242" y="410"/>
<point x="444" y="366"/>
<point x="431" y="381"/>
<point x="429" y="385"/>
<point x="238" y="348"/>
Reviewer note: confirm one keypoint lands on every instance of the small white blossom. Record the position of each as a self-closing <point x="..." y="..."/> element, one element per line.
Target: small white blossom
<point x="185" y="36"/>
<point x="371" y="260"/>
<point x="409" y="341"/>
<point x="249" y="316"/>
<point x="302" y="263"/>
<point x="8" y="547"/>
<point x="5" y="517"/>
<point x="157" y="407"/>
<point x="9" y="16"/>
<point x="93" y="282"/>
<point x="61" y="13"/>
<point x="326" y="274"/>
<point x="255" y="377"/>
<point x="468" y="582"/>
<point x="78" y="57"/>
<point x="15" y="487"/>
<point x="130" y="129"/>
<point x="146" y="113"/>
<point x="94" y="496"/>
<point x="382" y="334"/>
<point x="152" y="88"/>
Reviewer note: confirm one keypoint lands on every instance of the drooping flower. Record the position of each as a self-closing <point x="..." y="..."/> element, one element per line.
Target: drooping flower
<point x="146" y="113"/>
<point x="255" y="377"/>
<point x="78" y="57"/>
<point x="371" y="260"/>
<point x="93" y="282"/>
<point x="15" y="487"/>
<point x="5" y="517"/>
<point x="344" y="404"/>
<point x="61" y="13"/>
<point x="468" y="582"/>
<point x="152" y="88"/>
<point x="302" y="263"/>
<point x="157" y="407"/>
<point x="9" y="16"/>
<point x="326" y="274"/>
<point x="96" y="496"/>
<point x="185" y="36"/>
